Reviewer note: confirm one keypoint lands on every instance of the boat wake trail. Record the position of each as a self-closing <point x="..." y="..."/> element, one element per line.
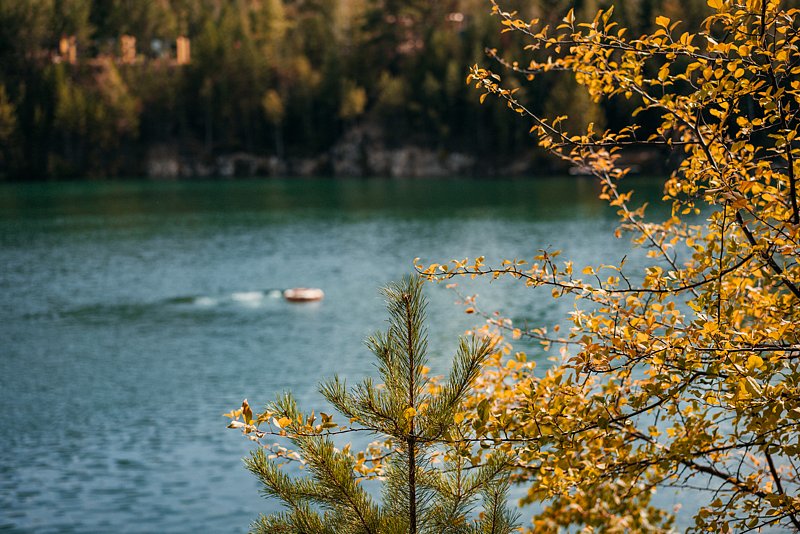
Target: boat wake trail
<point x="248" y="299"/>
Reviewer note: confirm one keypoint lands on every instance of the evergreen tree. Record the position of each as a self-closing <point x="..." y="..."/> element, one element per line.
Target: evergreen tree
<point x="423" y="422"/>
<point x="8" y="126"/>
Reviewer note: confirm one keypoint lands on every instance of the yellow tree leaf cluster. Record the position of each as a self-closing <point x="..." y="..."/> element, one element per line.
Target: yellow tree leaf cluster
<point x="686" y="374"/>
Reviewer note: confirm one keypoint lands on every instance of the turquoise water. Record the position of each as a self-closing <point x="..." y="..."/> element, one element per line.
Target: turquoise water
<point x="132" y="315"/>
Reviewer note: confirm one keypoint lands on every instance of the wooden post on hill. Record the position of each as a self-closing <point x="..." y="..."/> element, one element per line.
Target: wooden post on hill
<point x="128" y="48"/>
<point x="68" y="49"/>
<point x="183" y="50"/>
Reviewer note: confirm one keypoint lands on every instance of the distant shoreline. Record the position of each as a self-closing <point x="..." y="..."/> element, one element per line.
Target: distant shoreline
<point x="352" y="157"/>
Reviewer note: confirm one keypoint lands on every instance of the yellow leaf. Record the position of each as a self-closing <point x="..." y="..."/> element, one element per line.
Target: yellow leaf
<point x="715" y="4"/>
<point x="409" y="412"/>
<point x="233" y="414"/>
<point x="263" y="417"/>
<point x="282" y="422"/>
<point x="748" y="388"/>
<point x="754" y="362"/>
<point x="458" y="417"/>
<point x="662" y="21"/>
<point x="247" y="413"/>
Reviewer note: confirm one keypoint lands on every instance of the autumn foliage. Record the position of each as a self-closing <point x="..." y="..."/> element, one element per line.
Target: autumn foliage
<point x="686" y="374"/>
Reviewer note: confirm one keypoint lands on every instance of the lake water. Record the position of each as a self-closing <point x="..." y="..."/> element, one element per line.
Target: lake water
<point x="132" y="315"/>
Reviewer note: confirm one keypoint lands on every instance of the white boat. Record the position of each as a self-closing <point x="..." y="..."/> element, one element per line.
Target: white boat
<point x="303" y="294"/>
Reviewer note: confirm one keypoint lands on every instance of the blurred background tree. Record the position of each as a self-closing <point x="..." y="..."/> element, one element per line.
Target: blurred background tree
<point x="335" y="66"/>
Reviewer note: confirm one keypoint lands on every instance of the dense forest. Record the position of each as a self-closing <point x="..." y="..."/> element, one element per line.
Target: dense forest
<point x="276" y="87"/>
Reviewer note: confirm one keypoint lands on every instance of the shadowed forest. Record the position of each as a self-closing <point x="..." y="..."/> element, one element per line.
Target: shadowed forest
<point x="279" y="87"/>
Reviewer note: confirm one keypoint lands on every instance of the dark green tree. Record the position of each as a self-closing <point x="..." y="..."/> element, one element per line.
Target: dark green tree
<point x="8" y="126"/>
<point x="430" y="482"/>
<point x="393" y="68"/>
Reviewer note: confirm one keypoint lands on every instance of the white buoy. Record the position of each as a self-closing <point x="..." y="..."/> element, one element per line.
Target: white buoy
<point x="303" y="294"/>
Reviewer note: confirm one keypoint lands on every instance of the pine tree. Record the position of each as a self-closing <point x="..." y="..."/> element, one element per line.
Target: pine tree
<point x="420" y="419"/>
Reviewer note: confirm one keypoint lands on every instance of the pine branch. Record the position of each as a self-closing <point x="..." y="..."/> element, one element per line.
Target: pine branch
<point x="417" y="497"/>
<point x="497" y="519"/>
<point x="471" y="355"/>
